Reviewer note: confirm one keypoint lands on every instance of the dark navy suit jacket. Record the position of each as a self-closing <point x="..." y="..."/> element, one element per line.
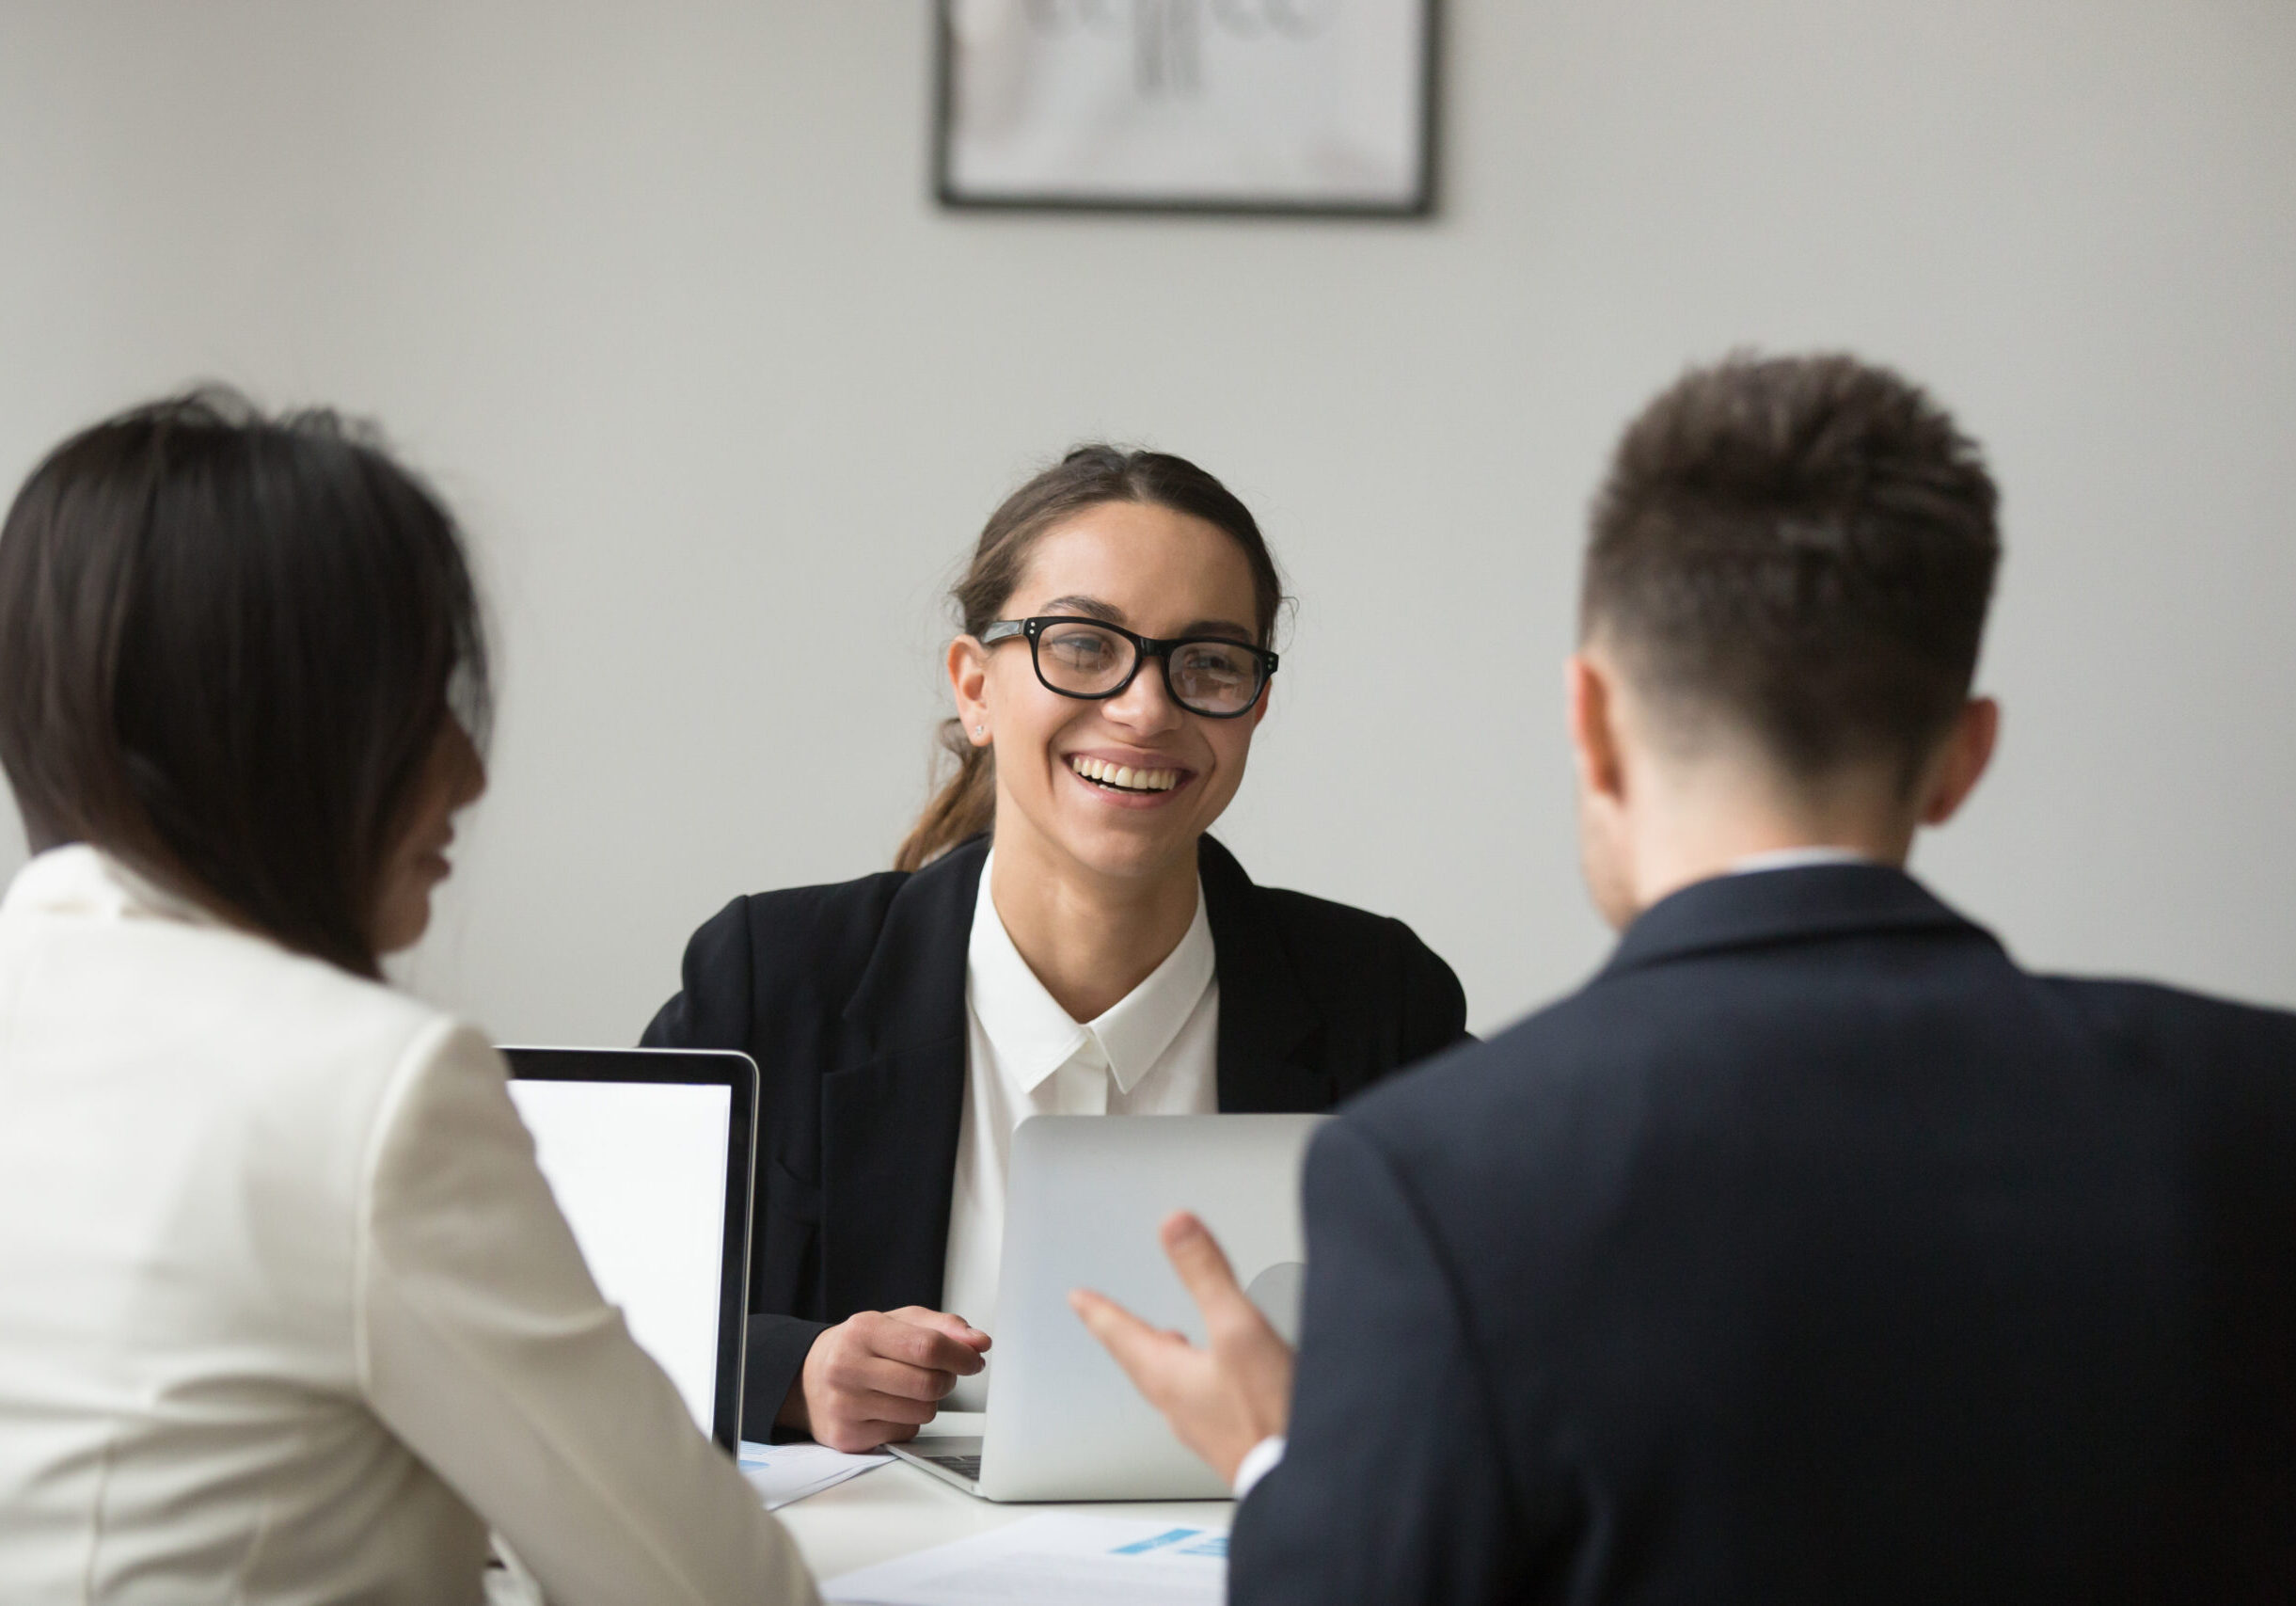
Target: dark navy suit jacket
<point x="851" y="999"/>
<point x="1813" y="1252"/>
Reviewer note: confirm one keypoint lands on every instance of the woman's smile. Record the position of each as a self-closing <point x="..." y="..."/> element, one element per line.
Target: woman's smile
<point x="1128" y="778"/>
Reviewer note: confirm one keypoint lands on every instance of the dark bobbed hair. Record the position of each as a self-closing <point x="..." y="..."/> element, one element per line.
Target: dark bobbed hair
<point x="1089" y="476"/>
<point x="228" y="644"/>
<point x="1802" y="550"/>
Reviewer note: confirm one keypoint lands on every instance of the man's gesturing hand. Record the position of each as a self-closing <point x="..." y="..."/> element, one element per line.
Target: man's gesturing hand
<point x="878" y="1377"/>
<point x="1220" y="1401"/>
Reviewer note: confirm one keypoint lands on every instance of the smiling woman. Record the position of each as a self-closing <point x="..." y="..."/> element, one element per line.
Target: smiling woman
<point x="1059" y="935"/>
<point x="1141" y="524"/>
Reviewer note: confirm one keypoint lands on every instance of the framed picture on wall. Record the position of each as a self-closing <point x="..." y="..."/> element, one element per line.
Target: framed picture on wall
<point x="1198" y="106"/>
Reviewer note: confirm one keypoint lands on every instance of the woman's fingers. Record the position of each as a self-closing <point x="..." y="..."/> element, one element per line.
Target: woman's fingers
<point x="955" y="1326"/>
<point x="860" y="1419"/>
<point x="897" y="1409"/>
<point x="914" y="1344"/>
<point x="895" y="1380"/>
<point x="878" y="1377"/>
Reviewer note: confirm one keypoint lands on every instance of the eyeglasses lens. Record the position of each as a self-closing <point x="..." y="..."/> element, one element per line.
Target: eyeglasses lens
<point x="1083" y="660"/>
<point x="1215" y="678"/>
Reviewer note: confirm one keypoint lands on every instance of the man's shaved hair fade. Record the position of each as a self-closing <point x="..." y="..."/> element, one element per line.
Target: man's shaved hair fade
<point x="1799" y="550"/>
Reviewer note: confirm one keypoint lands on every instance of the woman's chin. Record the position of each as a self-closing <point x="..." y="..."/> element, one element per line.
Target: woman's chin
<point x="1130" y="843"/>
<point x="402" y="924"/>
<point x="398" y="940"/>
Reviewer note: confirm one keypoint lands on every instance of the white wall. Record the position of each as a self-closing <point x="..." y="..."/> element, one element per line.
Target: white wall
<point x="657" y="294"/>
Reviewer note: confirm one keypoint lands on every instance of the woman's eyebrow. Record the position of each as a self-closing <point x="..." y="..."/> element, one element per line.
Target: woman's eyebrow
<point x="1093" y="607"/>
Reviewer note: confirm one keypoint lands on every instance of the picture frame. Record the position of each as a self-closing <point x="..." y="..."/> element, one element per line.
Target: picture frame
<point x="1298" y="107"/>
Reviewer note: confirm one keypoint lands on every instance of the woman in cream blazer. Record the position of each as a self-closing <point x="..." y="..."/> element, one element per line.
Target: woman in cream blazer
<point x="286" y="1313"/>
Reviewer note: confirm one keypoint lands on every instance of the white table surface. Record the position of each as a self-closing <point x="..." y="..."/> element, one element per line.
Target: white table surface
<point x="897" y="1509"/>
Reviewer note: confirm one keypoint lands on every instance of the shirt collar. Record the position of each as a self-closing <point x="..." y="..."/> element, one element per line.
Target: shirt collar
<point x="1796" y="859"/>
<point x="1034" y="1036"/>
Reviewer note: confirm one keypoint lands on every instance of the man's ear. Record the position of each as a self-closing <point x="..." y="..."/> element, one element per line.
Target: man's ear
<point x="968" y="666"/>
<point x="1961" y="763"/>
<point x="1592" y="712"/>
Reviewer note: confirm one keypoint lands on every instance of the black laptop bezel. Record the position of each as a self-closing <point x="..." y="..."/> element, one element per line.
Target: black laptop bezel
<point x="687" y="1067"/>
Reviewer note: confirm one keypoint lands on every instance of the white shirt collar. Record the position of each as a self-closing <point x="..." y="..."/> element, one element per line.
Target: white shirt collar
<point x="1034" y="1036"/>
<point x="1796" y="859"/>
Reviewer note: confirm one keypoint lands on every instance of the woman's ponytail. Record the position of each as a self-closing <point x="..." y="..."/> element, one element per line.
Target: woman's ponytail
<point x="965" y="805"/>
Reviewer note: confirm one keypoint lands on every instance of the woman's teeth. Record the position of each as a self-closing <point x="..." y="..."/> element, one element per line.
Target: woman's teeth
<point x="1124" y="779"/>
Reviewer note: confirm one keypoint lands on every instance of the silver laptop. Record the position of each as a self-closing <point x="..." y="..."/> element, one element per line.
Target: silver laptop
<point x="649" y="1153"/>
<point x="1088" y="1195"/>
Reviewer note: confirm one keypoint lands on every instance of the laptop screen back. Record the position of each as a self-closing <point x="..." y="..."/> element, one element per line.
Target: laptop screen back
<point x="639" y="1171"/>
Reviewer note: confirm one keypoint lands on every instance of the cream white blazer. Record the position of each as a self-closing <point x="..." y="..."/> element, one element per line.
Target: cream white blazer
<point x="286" y="1313"/>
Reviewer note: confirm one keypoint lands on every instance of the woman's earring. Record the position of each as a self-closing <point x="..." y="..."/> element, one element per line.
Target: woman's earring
<point x="979" y="731"/>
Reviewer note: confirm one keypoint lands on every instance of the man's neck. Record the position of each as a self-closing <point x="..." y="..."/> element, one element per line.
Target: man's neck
<point x="1684" y="843"/>
<point x="1090" y="938"/>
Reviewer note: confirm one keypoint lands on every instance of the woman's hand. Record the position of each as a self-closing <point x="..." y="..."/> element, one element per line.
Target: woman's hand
<point x="876" y="1377"/>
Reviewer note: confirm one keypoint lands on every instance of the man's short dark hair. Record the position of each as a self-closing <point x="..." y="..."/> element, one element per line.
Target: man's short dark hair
<point x="1800" y="549"/>
<point x="228" y="647"/>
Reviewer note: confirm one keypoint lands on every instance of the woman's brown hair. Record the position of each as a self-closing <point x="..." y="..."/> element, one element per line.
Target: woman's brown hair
<point x="1090" y="476"/>
<point x="228" y="644"/>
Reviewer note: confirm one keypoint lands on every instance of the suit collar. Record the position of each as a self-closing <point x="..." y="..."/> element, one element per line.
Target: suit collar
<point x="1805" y="905"/>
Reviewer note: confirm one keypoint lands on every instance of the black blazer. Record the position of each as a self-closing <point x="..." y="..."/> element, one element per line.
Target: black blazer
<point x="851" y="999"/>
<point x="1813" y="1253"/>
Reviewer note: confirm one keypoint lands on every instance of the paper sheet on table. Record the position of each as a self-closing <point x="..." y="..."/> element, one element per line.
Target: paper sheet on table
<point x="1054" y="1560"/>
<point x="783" y="1473"/>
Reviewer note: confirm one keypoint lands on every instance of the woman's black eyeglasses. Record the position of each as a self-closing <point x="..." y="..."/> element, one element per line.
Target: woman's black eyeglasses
<point x="1084" y="657"/>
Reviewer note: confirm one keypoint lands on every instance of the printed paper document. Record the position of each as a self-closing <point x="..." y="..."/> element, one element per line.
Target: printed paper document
<point x="783" y="1473"/>
<point x="1054" y="1560"/>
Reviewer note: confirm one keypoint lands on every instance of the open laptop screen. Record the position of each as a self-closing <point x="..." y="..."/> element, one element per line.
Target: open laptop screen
<point x="648" y="1154"/>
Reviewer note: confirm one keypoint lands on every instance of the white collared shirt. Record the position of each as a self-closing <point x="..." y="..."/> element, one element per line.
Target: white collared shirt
<point x="1796" y="859"/>
<point x="1154" y="1052"/>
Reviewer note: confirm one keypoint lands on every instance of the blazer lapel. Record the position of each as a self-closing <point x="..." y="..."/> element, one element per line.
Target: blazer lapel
<point x="889" y="1124"/>
<point x="1267" y="1023"/>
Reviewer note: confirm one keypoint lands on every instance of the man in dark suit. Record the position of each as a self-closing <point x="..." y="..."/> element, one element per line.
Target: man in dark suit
<point x="1814" y="1252"/>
